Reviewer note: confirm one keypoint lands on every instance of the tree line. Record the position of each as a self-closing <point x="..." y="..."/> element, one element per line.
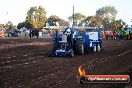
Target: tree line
<point x="105" y="17"/>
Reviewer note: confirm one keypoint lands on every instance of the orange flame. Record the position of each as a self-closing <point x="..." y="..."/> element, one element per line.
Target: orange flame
<point x="81" y="71"/>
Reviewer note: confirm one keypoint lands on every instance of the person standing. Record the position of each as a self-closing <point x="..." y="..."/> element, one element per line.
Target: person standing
<point x="30" y="33"/>
<point x="106" y="33"/>
<point x="114" y="34"/>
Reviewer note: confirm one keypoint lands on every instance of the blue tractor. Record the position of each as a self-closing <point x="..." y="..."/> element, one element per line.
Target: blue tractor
<point x="81" y="40"/>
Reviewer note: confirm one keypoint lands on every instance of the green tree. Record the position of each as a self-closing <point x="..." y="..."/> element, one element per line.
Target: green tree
<point x="117" y="25"/>
<point x="25" y="24"/>
<point x="9" y="25"/>
<point x="91" y="21"/>
<point x="36" y="16"/>
<point x="78" y="17"/>
<point x="63" y="23"/>
<point x="20" y="25"/>
<point x="53" y="19"/>
<point x="107" y="14"/>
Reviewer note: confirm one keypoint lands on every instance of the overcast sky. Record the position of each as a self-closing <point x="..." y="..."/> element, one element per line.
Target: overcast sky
<point x="16" y="10"/>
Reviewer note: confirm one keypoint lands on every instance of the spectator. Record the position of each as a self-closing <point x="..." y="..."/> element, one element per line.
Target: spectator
<point x="30" y="33"/>
<point x="107" y="34"/>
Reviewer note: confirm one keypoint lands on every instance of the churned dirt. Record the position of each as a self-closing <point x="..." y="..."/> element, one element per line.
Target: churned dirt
<point x="25" y="63"/>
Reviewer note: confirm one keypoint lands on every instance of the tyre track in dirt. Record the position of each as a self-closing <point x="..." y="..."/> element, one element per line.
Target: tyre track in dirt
<point x="53" y="72"/>
<point x="103" y="60"/>
<point x="59" y="71"/>
<point x="99" y="60"/>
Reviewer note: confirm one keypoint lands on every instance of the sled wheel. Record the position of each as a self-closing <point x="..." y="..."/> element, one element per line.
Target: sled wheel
<point x="71" y="53"/>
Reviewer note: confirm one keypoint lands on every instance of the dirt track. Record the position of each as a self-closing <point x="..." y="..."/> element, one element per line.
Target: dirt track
<point x="27" y="65"/>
